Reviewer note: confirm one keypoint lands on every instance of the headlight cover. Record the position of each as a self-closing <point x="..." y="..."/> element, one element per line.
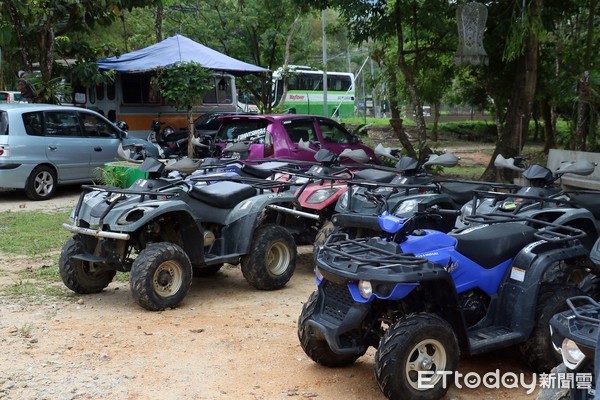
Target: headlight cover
<point x="406" y="207"/>
<point x="572" y="355"/>
<point x="365" y="289"/>
<point x="321" y="195"/>
<point x="133" y="215"/>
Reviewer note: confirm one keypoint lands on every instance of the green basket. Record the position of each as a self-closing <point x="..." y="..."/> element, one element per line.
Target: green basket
<point x="121" y="174"/>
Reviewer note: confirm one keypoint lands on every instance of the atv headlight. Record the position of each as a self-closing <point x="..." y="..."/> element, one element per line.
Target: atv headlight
<point x="343" y="201"/>
<point x="133" y="215"/>
<point x="365" y="289"/>
<point x="572" y="356"/>
<point x="406" y="207"/>
<point x="321" y="195"/>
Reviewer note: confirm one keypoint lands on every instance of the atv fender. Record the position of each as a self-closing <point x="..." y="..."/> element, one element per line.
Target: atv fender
<point x="519" y="294"/>
<point x="243" y="220"/>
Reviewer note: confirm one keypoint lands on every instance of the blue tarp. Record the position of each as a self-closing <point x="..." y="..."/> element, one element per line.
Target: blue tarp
<point x="174" y="50"/>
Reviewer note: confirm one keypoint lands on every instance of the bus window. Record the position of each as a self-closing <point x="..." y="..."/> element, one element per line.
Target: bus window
<point x="137" y="89"/>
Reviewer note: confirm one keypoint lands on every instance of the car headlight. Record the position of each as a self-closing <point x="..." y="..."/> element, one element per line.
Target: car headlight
<point x="572" y="356"/>
<point x="133" y="215"/>
<point x="321" y="195"/>
<point x="365" y="289"/>
<point x="406" y="207"/>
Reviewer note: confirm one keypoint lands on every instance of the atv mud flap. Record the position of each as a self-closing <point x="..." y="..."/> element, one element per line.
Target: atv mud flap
<point x="339" y="319"/>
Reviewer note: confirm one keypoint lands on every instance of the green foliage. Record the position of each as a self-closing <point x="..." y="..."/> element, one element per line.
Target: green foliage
<point x="182" y="85"/>
<point x="109" y="175"/>
<point x="32" y="233"/>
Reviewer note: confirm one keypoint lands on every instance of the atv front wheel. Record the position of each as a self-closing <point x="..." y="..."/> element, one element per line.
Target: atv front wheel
<point x="538" y="351"/>
<point x="412" y="355"/>
<point x="161" y="276"/>
<point x="314" y="344"/>
<point x="272" y="259"/>
<point x="79" y="275"/>
<point x="326" y="230"/>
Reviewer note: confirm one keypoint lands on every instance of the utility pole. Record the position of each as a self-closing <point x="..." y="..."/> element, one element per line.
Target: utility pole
<point x="325" y="107"/>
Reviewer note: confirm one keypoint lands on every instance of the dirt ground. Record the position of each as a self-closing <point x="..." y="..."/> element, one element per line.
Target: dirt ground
<point x="226" y="341"/>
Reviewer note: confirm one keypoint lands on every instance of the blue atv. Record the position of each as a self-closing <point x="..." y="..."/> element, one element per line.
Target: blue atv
<point x="422" y="296"/>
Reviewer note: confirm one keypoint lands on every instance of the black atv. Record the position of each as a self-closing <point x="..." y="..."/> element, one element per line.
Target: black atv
<point x="163" y="230"/>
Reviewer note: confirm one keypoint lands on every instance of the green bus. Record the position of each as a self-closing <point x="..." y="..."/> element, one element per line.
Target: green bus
<point x="305" y="92"/>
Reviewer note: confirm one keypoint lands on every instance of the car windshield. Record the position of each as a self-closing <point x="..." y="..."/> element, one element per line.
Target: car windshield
<point x="242" y="130"/>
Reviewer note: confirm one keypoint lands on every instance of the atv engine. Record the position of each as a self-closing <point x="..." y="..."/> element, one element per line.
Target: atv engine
<point x="474" y="306"/>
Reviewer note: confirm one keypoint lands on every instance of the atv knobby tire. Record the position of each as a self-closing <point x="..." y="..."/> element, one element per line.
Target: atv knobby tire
<point x="326" y="230"/>
<point x="160" y="276"/>
<point x="538" y="351"/>
<point x="417" y="342"/>
<point x="79" y="275"/>
<point x="315" y="345"/>
<point x="272" y="258"/>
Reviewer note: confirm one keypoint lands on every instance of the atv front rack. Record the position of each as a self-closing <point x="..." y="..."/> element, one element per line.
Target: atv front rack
<point x="382" y="258"/>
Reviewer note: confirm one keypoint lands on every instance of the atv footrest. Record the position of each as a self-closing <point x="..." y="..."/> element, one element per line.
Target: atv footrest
<point x="493" y="337"/>
<point x="89" y="258"/>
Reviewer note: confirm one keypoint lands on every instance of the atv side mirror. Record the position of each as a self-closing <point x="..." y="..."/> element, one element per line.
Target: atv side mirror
<point x="444" y="160"/>
<point x="382" y="151"/>
<point x="508" y="163"/>
<point x="580" y="167"/>
<point x="237" y="147"/>
<point x="130" y="153"/>
<point x="196" y="142"/>
<point x="305" y="146"/>
<point x="358" y="155"/>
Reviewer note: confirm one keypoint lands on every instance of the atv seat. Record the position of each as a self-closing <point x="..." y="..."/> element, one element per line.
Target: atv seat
<point x="589" y="201"/>
<point x="262" y="171"/>
<point x="375" y="175"/>
<point x="223" y="194"/>
<point x="461" y="192"/>
<point x="493" y="244"/>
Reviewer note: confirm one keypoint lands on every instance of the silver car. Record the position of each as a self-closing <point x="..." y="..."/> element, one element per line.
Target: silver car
<point x="42" y="146"/>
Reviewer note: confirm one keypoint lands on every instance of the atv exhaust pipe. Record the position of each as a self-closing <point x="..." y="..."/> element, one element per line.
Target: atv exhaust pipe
<point x="294" y="212"/>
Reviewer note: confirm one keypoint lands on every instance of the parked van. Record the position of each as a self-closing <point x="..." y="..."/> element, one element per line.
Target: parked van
<point x="42" y="146"/>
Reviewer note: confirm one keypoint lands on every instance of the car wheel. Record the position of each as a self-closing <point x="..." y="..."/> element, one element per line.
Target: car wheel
<point x="415" y="345"/>
<point x="272" y="260"/>
<point x="78" y="275"/>
<point x="161" y="276"/>
<point x="41" y="184"/>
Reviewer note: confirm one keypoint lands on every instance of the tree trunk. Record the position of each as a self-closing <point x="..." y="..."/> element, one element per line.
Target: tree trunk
<point x="396" y="123"/>
<point x="549" y="137"/>
<point x="288" y="43"/>
<point x="582" y="124"/>
<point x="158" y="22"/>
<point x="45" y="94"/>
<point x="191" y="151"/>
<point x="511" y="137"/>
<point x="435" y="109"/>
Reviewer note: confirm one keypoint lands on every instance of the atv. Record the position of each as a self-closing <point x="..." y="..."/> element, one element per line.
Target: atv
<point x="421" y="297"/>
<point x="575" y="337"/>
<point x="164" y="230"/>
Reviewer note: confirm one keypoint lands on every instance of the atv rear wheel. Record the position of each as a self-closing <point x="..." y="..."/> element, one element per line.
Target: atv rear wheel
<point x="78" y="275"/>
<point x="161" y="276"/>
<point x="538" y="351"/>
<point x="416" y="344"/>
<point x="314" y="344"/>
<point x="272" y="259"/>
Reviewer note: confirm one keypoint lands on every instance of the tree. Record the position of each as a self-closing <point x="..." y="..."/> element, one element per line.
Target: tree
<point x="182" y="86"/>
<point x="414" y="33"/>
<point x="34" y="27"/>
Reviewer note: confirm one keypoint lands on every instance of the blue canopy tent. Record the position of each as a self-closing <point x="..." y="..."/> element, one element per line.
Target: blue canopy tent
<point x="174" y="50"/>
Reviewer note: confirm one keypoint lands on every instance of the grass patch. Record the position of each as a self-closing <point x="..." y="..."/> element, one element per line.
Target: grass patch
<point x="32" y="233"/>
<point x="466" y="173"/>
<point x="37" y="284"/>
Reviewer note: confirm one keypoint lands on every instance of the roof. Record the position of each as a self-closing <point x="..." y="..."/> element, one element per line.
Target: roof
<point x="174" y="50"/>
